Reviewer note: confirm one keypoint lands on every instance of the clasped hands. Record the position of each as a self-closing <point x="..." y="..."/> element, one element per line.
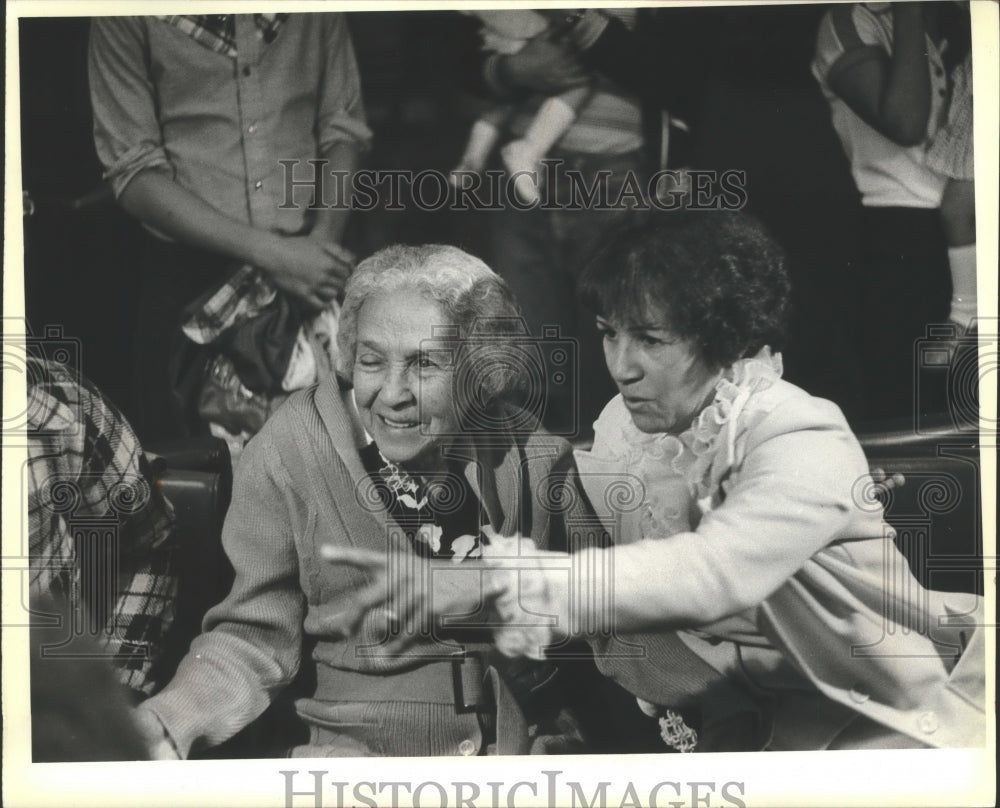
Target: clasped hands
<point x="309" y="268"/>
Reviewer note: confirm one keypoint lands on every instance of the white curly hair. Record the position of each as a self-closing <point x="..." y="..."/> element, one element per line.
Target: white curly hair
<point x="471" y="295"/>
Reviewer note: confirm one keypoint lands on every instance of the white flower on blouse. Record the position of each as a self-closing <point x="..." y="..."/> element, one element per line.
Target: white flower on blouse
<point x="466" y="547"/>
<point x="401" y="484"/>
<point x="430" y="535"/>
<point x="410" y="501"/>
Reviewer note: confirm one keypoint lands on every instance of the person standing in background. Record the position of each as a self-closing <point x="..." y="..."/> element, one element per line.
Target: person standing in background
<point x="647" y="69"/>
<point x="193" y="116"/>
<point x="538" y="249"/>
<point x="883" y="69"/>
<point x="951" y="155"/>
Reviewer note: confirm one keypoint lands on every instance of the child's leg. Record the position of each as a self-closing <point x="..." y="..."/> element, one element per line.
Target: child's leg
<point x="482" y="140"/>
<point x="554" y="117"/>
<point x="958" y="212"/>
<point x="550" y="123"/>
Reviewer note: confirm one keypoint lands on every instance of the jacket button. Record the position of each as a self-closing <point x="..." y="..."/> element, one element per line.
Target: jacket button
<point x="927" y="722"/>
<point x="467" y="747"/>
<point x="859" y="696"/>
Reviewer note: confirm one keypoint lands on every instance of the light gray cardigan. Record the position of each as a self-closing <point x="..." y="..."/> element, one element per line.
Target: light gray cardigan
<point x="300" y="485"/>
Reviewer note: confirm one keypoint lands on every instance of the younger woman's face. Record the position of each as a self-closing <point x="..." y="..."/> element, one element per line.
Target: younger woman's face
<point x="662" y="381"/>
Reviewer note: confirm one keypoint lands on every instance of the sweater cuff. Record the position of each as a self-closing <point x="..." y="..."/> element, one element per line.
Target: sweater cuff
<point x="157" y="736"/>
<point x="183" y="730"/>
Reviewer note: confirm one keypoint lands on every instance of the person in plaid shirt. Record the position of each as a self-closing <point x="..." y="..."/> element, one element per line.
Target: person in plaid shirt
<point x="89" y="483"/>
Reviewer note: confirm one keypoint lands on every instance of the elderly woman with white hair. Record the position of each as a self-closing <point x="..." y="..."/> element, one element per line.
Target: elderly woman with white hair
<point x="416" y="449"/>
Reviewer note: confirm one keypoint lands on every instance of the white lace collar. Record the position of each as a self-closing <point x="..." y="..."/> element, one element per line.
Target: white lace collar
<point x="691" y="452"/>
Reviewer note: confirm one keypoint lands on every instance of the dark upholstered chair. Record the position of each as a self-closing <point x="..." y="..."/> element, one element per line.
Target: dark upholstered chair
<point x="937" y="513"/>
<point x="195" y="475"/>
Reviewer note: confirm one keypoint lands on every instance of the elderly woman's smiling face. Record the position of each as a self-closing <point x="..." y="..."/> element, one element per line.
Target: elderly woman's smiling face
<point x="662" y="381"/>
<point x="403" y="377"/>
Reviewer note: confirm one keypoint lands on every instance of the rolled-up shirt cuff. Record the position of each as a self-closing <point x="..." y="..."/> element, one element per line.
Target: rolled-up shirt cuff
<point x="124" y="170"/>
<point x="589" y="29"/>
<point x="345" y="130"/>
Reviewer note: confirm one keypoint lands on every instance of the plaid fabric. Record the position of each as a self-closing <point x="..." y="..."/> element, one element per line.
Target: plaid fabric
<point x="244" y="294"/>
<point x="87" y="476"/>
<point x="951" y="153"/>
<point x="141" y="617"/>
<point x="217" y="32"/>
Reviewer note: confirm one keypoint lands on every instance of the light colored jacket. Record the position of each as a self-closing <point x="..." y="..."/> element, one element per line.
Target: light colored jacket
<point x="778" y="570"/>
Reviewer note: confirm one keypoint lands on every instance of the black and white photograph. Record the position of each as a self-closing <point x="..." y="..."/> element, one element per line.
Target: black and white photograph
<point x="605" y="389"/>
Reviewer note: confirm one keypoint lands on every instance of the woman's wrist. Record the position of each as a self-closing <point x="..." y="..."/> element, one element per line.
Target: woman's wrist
<point x="528" y="589"/>
<point x="159" y="744"/>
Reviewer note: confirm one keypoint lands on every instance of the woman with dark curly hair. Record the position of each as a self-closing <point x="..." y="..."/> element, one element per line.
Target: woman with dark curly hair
<point x="754" y="597"/>
<point x="779" y="613"/>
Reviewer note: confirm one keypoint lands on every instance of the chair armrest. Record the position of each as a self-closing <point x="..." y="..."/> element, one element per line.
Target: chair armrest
<point x="898" y="436"/>
<point x="200" y="500"/>
<point x="201" y="453"/>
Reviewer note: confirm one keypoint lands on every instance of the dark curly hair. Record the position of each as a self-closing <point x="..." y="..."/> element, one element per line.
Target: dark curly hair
<point x="717" y="277"/>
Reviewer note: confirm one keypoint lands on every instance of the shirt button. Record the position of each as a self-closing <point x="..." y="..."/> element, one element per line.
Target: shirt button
<point x="259" y="184"/>
<point x="252" y="128"/>
<point x="467" y="747"/>
<point x="859" y="696"/>
<point x="927" y="722"/>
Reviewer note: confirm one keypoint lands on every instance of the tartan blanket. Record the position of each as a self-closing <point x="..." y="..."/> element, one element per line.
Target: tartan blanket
<point x="88" y="483"/>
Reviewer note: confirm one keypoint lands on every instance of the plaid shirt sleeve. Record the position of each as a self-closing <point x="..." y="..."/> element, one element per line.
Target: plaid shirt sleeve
<point x="86" y="468"/>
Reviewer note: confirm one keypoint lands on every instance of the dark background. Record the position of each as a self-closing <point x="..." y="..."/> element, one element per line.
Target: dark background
<point x="764" y="114"/>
